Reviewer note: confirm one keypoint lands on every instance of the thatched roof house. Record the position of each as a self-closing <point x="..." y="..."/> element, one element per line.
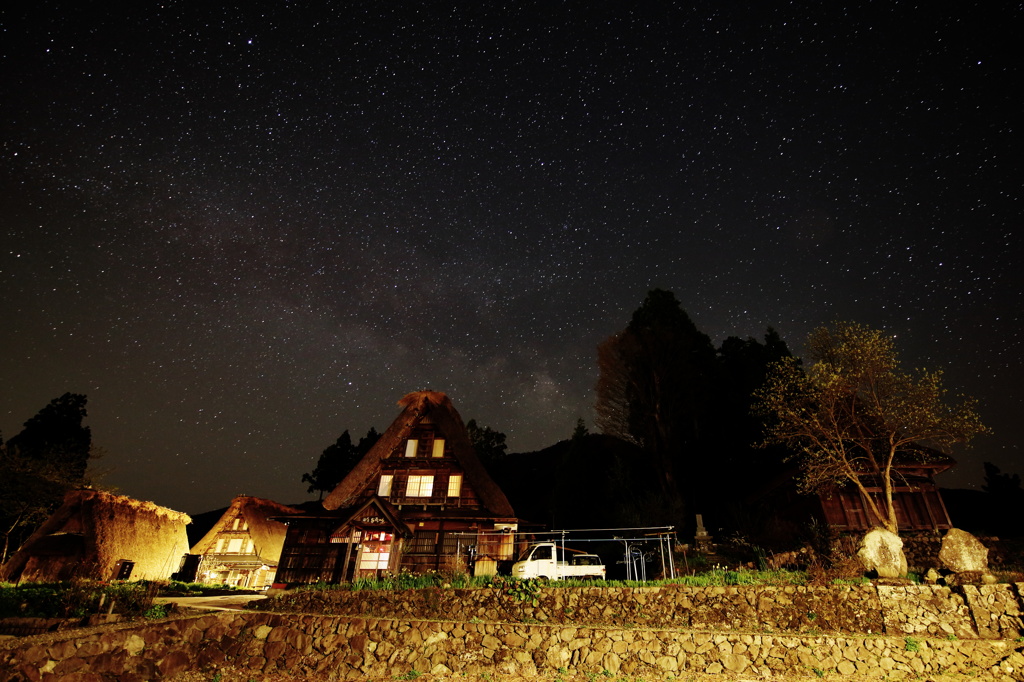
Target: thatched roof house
<point x="424" y="413"/>
<point x="244" y="545"/>
<point x="95" y="534"/>
<point x="418" y="500"/>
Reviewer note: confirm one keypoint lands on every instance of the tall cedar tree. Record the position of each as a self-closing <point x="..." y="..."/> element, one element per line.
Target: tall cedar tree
<point x="854" y="414"/>
<point x="337" y="460"/>
<point x="655" y="380"/>
<point x="39" y="465"/>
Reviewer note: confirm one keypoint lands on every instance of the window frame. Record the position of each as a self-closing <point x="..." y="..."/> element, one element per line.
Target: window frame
<point x="419" y="486"/>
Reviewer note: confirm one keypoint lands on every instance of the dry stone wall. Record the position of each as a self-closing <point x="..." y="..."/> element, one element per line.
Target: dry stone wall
<point x="340" y="648"/>
<point x="965" y="612"/>
<point x="650" y="633"/>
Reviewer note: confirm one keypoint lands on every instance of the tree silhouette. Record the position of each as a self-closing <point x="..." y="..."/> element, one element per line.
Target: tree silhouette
<point x="337" y="460"/>
<point x="656" y="378"/>
<point x="49" y="457"/>
<point x="489" y="444"/>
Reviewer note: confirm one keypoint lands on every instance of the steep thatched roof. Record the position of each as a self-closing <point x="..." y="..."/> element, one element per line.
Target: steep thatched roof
<point x="111" y="528"/>
<point x="267" y="535"/>
<point x="439" y="409"/>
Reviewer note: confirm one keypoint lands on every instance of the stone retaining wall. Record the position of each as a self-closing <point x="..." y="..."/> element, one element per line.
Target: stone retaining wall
<point x="894" y="631"/>
<point x="336" y="647"/>
<point x="965" y="612"/>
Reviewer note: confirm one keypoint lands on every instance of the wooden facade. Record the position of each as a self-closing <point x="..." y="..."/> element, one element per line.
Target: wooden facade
<point x="916" y="500"/>
<point x="336" y="546"/>
<point x="419" y="500"/>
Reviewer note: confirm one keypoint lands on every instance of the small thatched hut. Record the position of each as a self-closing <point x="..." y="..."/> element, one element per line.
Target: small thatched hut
<point x="95" y="534"/>
<point x="244" y="545"/>
<point x="419" y="500"/>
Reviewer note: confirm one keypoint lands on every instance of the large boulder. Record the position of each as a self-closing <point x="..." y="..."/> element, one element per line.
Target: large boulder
<point x="882" y="552"/>
<point x="962" y="552"/>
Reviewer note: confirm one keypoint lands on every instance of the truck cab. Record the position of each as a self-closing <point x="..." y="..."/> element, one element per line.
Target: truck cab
<point x="540" y="560"/>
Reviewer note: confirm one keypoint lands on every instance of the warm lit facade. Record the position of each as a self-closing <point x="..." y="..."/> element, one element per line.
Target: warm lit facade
<point x="99" y="535"/>
<point x="419" y="500"/>
<point x="244" y="546"/>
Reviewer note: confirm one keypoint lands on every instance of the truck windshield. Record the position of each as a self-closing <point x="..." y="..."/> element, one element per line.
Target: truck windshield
<point x="540" y="553"/>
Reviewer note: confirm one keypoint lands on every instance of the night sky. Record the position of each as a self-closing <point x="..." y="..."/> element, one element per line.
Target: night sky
<point x="242" y="230"/>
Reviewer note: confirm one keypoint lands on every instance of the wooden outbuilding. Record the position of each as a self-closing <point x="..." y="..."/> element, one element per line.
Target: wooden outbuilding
<point x="243" y="547"/>
<point x="419" y="500"/>
<point x="99" y="535"/>
<point x="916" y="498"/>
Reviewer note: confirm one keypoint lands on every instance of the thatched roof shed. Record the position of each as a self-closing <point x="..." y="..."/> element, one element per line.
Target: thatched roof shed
<point x="419" y="406"/>
<point x="93" y="533"/>
<point x="267" y="535"/>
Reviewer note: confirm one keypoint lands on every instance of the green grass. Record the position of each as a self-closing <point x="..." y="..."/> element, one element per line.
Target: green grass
<point x="76" y="598"/>
<point x="178" y="588"/>
<point x="716" y="576"/>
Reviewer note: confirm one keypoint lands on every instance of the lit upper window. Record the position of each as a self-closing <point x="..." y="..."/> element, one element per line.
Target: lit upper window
<point x="384" y="487"/>
<point x="420" y="486"/>
<point x="411" y="447"/>
<point x="438" y="450"/>
<point x="454" y="485"/>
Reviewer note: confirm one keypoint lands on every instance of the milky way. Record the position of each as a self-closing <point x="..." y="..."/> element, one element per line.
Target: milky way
<point x="241" y="231"/>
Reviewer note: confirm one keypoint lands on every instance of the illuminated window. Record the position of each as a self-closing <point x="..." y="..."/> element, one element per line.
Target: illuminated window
<point x="411" y="447"/>
<point x="384" y="487"/>
<point x="420" y="486"/>
<point x="375" y="552"/>
<point x="374" y="561"/>
<point x="454" y="485"/>
<point x="235" y="546"/>
<point x="438" y="450"/>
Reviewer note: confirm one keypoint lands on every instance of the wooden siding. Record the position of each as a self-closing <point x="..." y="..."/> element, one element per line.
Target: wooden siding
<point x="919" y="508"/>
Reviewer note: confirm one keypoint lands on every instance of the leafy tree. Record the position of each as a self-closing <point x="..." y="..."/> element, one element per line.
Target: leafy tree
<point x="655" y="380"/>
<point x="489" y="444"/>
<point x="39" y="465"/>
<point x="337" y="460"/>
<point x="854" y="413"/>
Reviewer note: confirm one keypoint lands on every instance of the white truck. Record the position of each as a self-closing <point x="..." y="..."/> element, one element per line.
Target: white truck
<point x="541" y="560"/>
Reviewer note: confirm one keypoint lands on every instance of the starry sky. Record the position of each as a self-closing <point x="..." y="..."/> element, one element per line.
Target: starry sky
<point x="242" y="228"/>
